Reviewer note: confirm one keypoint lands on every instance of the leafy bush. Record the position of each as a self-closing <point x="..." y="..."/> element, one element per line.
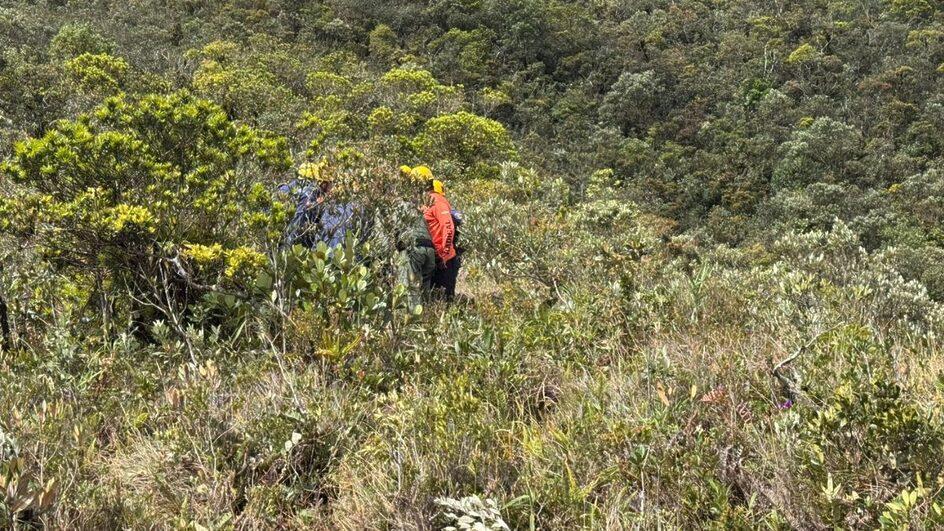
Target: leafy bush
<point x="465" y="142"/>
<point x="124" y="191"/>
<point x="825" y="151"/>
<point x="74" y="40"/>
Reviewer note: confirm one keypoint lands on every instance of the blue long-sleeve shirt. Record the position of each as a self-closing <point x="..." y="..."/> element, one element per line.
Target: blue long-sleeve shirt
<point x="315" y="221"/>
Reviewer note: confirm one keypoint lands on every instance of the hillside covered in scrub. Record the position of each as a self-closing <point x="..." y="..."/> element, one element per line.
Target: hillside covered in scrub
<point x="703" y="280"/>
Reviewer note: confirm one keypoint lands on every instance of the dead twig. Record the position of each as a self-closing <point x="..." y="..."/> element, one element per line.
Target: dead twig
<point x="789" y="386"/>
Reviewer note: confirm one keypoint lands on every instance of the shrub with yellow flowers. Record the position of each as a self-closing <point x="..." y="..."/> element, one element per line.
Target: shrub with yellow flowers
<point x="138" y="183"/>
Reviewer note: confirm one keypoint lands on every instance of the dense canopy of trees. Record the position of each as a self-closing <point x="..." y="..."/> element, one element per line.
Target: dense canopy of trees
<point x="709" y="115"/>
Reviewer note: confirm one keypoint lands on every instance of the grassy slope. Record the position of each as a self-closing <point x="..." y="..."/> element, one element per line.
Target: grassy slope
<point x="650" y="406"/>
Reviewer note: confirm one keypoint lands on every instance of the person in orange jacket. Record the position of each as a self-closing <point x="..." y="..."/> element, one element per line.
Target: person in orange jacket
<point x="438" y="214"/>
<point x="439" y="220"/>
<point x="441" y="227"/>
<point x="445" y="277"/>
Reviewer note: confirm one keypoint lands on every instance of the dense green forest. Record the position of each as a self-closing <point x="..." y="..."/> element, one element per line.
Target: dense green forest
<point x="703" y="283"/>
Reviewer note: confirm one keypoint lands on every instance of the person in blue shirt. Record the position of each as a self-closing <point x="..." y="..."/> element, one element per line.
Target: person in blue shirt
<point x="318" y="217"/>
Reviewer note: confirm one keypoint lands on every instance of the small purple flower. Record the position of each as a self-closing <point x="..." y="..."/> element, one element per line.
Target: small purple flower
<point x="786" y="405"/>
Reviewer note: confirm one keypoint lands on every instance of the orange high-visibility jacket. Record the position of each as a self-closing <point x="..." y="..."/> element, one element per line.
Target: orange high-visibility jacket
<point x="441" y="228"/>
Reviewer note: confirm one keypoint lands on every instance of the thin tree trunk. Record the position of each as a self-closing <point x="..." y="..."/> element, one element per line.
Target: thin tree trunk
<point x="5" y="340"/>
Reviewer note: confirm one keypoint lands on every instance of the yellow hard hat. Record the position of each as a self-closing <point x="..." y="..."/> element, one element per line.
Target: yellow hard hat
<point x="422" y="173"/>
<point x="438" y="186"/>
<point x="311" y="170"/>
<point x="406" y="170"/>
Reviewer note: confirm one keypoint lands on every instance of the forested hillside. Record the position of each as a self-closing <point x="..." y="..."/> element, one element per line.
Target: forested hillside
<point x="703" y="280"/>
